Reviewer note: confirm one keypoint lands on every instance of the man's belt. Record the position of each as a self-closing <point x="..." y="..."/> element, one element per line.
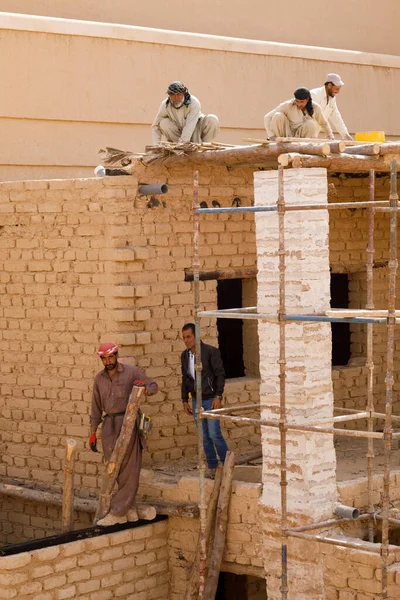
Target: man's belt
<point x="112" y="417"/>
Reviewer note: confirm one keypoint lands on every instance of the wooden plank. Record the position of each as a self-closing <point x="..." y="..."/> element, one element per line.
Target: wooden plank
<point x="193" y="585"/>
<point x="221" y="524"/>
<point x="68" y="489"/>
<point x="246" y="273"/>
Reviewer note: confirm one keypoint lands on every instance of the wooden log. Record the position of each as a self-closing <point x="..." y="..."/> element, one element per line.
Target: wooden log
<point x="283" y="140"/>
<point x="244" y="155"/>
<point x="193" y="585"/>
<point x="290" y="159"/>
<point x="242" y="460"/>
<point x="366" y="149"/>
<point x="114" y="464"/>
<point x="221" y="523"/>
<point x="89" y="505"/>
<point x="318" y="147"/>
<point x="345" y="163"/>
<point x="68" y="489"/>
<point x="390" y="148"/>
<point x="337" y="147"/>
<point x="245" y="273"/>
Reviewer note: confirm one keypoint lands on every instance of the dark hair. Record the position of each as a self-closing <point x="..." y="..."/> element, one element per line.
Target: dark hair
<point x="189" y="326"/>
<point x="304" y="94"/>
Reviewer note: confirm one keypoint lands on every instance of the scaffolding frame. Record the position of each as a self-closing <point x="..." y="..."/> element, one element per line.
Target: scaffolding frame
<point x="370" y="316"/>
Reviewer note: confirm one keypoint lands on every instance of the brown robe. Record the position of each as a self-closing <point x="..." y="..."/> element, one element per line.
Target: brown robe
<point x="111" y="395"/>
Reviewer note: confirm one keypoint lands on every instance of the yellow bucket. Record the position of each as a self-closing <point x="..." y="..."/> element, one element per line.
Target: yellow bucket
<point x="370" y="136"/>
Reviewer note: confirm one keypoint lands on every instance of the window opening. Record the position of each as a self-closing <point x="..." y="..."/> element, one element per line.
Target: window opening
<point x="230" y="331"/>
<point x="341" y="352"/>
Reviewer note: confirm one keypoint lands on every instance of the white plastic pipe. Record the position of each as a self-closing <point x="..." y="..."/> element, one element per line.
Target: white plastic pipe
<point x="348" y="512"/>
<point x="153" y="188"/>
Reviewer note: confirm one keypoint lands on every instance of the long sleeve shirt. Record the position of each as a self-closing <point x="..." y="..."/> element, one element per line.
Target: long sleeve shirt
<point x="185" y="118"/>
<point x="296" y="117"/>
<point x="329" y="110"/>
<point x="111" y="395"/>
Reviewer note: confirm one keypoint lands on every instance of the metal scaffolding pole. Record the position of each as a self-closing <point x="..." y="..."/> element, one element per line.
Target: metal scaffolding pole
<point x="389" y="377"/>
<point x="370" y="357"/>
<point x="199" y="404"/>
<point x="370" y="316"/>
<point x="282" y="380"/>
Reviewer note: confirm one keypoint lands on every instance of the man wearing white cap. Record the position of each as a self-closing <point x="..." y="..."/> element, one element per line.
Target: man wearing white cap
<point x="325" y="96"/>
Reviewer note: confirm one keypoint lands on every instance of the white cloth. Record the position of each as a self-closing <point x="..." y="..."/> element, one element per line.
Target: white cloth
<point x="191" y="362"/>
<point x="330" y="110"/>
<point x="184" y="124"/>
<point x="296" y="118"/>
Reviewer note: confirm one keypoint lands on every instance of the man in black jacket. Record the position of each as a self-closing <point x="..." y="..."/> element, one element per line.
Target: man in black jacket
<point x="212" y="385"/>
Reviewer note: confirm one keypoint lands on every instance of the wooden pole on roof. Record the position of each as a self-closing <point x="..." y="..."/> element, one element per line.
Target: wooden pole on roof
<point x="351" y="163"/>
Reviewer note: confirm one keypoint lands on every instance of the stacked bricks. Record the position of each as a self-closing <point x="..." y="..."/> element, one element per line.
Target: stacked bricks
<point x="244" y="545"/>
<point x="348" y="243"/>
<point x="24" y="520"/>
<point x="85" y="261"/>
<point x="311" y="463"/>
<point x="128" y="564"/>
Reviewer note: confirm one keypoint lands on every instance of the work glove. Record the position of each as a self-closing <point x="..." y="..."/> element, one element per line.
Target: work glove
<point x="93" y="442"/>
<point x="138" y="383"/>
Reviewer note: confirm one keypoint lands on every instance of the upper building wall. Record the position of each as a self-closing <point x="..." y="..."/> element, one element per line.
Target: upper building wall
<point x="73" y="87"/>
<point x="363" y="25"/>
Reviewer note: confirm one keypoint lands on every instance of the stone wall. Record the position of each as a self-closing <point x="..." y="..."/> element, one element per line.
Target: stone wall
<point x="25" y="520"/>
<point x="90" y="260"/>
<point x="348" y="243"/>
<point x="126" y="564"/>
<point x="85" y="261"/>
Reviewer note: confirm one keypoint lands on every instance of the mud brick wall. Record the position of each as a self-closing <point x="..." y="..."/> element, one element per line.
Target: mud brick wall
<point x="84" y="261"/>
<point x="24" y="520"/>
<point x="126" y="564"/>
<point x="348" y="244"/>
<point x="243" y="552"/>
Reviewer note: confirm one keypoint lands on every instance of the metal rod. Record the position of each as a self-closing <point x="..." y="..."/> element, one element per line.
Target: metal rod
<point x="324" y="524"/>
<point x="370" y="357"/>
<point x="382" y="204"/>
<point x="199" y="404"/>
<point x="346" y="544"/>
<point x="389" y="376"/>
<point x="340" y="419"/>
<point x="235" y="408"/>
<point x="227" y="314"/>
<point x="269" y="423"/>
<point x="282" y="380"/>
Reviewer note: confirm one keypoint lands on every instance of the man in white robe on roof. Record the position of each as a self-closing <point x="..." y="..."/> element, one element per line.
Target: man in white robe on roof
<point x="179" y="118"/>
<point x="325" y="96"/>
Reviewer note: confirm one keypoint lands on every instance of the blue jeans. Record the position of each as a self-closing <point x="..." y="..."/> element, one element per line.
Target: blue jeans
<point x="213" y="440"/>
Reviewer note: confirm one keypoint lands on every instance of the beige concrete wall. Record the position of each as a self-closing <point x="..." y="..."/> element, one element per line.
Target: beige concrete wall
<point x="362" y="25"/>
<point x="74" y="87"/>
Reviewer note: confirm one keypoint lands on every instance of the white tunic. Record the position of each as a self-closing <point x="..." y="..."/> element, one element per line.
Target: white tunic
<point x="185" y="118"/>
<point x="296" y="117"/>
<point x="329" y="110"/>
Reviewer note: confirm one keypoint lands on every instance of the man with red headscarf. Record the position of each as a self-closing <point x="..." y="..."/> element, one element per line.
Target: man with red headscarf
<point x="111" y="390"/>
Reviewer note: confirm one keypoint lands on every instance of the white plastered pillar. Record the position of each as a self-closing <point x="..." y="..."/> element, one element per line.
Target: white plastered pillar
<point x="311" y="461"/>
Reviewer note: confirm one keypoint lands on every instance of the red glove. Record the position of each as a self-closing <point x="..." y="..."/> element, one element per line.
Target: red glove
<point x="93" y="442"/>
<point x="138" y="383"/>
